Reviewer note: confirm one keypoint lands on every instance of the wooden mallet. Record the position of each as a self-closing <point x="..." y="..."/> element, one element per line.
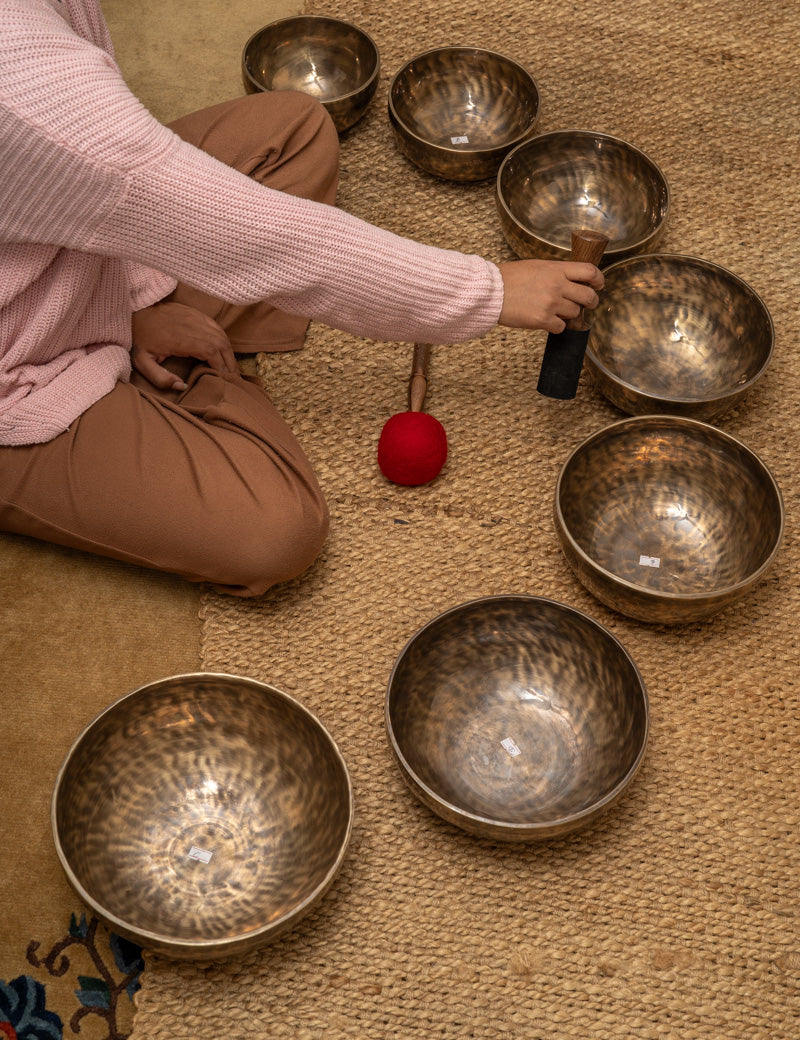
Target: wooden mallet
<point x="564" y="351"/>
<point x="413" y="445"/>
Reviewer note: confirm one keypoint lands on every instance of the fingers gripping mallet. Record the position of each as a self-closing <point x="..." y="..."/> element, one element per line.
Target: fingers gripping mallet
<point x="413" y="445"/>
<point x="564" y="351"/>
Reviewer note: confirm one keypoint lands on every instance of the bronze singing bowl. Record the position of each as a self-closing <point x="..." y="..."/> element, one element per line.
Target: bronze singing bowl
<point x="202" y="815"/>
<point x="666" y="519"/>
<point x="332" y="60"/>
<point x="516" y="718"/>
<point x="677" y="335"/>
<point x="567" y="179"/>
<point x="456" y="111"/>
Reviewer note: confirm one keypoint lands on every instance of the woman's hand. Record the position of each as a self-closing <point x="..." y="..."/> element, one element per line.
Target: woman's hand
<point x="544" y="294"/>
<point x="175" y="330"/>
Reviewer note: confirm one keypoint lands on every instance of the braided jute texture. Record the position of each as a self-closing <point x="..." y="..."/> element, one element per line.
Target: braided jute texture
<point x="677" y="914"/>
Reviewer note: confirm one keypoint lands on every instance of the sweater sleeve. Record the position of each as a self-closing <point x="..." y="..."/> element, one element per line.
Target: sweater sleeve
<point x="92" y="170"/>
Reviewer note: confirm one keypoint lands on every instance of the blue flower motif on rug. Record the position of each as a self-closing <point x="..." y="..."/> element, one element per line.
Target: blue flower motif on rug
<point x="128" y="958"/>
<point x="99" y="993"/>
<point x="23" y="1014"/>
<point x="95" y="992"/>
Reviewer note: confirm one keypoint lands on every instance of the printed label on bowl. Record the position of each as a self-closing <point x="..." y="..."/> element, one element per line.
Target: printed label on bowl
<point x="200" y="854"/>
<point x="511" y="747"/>
<point x="460" y="140"/>
<point x="649" y="561"/>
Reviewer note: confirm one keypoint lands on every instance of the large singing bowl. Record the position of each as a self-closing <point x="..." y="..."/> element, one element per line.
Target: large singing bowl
<point x="677" y="335"/>
<point x="202" y="815"/>
<point x="456" y="111"/>
<point x="558" y="182"/>
<point x="666" y="519"/>
<point x="516" y="718"/>
<point x="332" y="60"/>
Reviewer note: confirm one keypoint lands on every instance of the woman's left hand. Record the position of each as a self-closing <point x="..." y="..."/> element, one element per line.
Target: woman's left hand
<point x="174" y="330"/>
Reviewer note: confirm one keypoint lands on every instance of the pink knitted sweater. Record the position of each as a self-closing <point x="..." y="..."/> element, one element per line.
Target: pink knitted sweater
<point x="96" y="221"/>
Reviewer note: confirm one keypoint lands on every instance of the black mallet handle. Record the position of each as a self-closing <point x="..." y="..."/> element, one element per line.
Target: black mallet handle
<point x="564" y="351"/>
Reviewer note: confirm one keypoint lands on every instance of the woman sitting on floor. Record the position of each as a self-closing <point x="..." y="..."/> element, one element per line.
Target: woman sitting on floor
<point x="124" y="243"/>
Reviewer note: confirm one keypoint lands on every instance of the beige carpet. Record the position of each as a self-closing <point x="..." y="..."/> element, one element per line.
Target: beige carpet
<point x="677" y="917"/>
<point x="76" y="632"/>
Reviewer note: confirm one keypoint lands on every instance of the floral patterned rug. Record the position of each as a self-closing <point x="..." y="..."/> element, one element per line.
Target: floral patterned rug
<point x="95" y="970"/>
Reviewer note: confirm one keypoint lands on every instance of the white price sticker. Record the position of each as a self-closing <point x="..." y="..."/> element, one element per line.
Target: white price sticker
<point x="200" y="854"/>
<point x="511" y="747"/>
<point x="649" y="561"/>
<point x="459" y="140"/>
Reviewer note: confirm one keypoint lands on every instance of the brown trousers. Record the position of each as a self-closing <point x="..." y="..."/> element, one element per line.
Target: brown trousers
<point x="209" y="483"/>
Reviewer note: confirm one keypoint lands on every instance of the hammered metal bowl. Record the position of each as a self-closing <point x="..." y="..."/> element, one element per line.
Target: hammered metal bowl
<point x="332" y="60"/>
<point x="516" y="718"/>
<point x="567" y="179"/>
<point x="202" y="815"/>
<point x="666" y="519"/>
<point x="456" y="111"/>
<point x="678" y="335"/>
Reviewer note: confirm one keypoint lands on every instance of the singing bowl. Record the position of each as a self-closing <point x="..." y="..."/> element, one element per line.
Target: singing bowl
<point x="678" y="335"/>
<point x="456" y="111"/>
<point x="554" y="183"/>
<point x="332" y="60"/>
<point x="667" y="519"/>
<point x="202" y="815"/>
<point x="516" y="718"/>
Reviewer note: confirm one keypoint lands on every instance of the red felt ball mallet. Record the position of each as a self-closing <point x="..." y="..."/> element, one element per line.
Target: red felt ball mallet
<point x="413" y="445"/>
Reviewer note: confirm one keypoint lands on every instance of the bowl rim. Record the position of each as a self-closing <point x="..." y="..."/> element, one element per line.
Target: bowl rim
<point x="319" y="19"/>
<point x="227" y="944"/>
<point x="643" y="590"/>
<point x="510" y="827"/>
<point x="690" y="261"/>
<point x="583" y="132"/>
<point x="443" y="149"/>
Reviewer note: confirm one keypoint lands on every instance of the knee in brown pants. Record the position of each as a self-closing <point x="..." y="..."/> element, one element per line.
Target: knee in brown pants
<point x="213" y="488"/>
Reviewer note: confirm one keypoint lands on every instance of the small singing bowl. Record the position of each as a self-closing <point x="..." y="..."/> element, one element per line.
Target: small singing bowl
<point x="516" y="718"/>
<point x="456" y="111"/>
<point x="554" y="183"/>
<point x="332" y="60"/>
<point x="678" y="335"/>
<point x="667" y="519"/>
<point x="202" y="815"/>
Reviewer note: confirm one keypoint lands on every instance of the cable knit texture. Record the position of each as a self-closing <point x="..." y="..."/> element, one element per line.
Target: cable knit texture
<point x="103" y="210"/>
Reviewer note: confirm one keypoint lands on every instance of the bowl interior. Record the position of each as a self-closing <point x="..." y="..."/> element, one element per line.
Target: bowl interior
<point x="564" y="180"/>
<point x="202" y="808"/>
<point x="679" y="328"/>
<point x="465" y="99"/>
<point x="324" y="57"/>
<point x="517" y="710"/>
<point x="670" y="505"/>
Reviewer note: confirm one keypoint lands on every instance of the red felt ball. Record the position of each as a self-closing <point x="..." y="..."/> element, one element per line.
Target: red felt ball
<point x="412" y="448"/>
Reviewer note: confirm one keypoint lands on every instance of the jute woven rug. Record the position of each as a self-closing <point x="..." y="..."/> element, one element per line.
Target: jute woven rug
<point x="677" y="915"/>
